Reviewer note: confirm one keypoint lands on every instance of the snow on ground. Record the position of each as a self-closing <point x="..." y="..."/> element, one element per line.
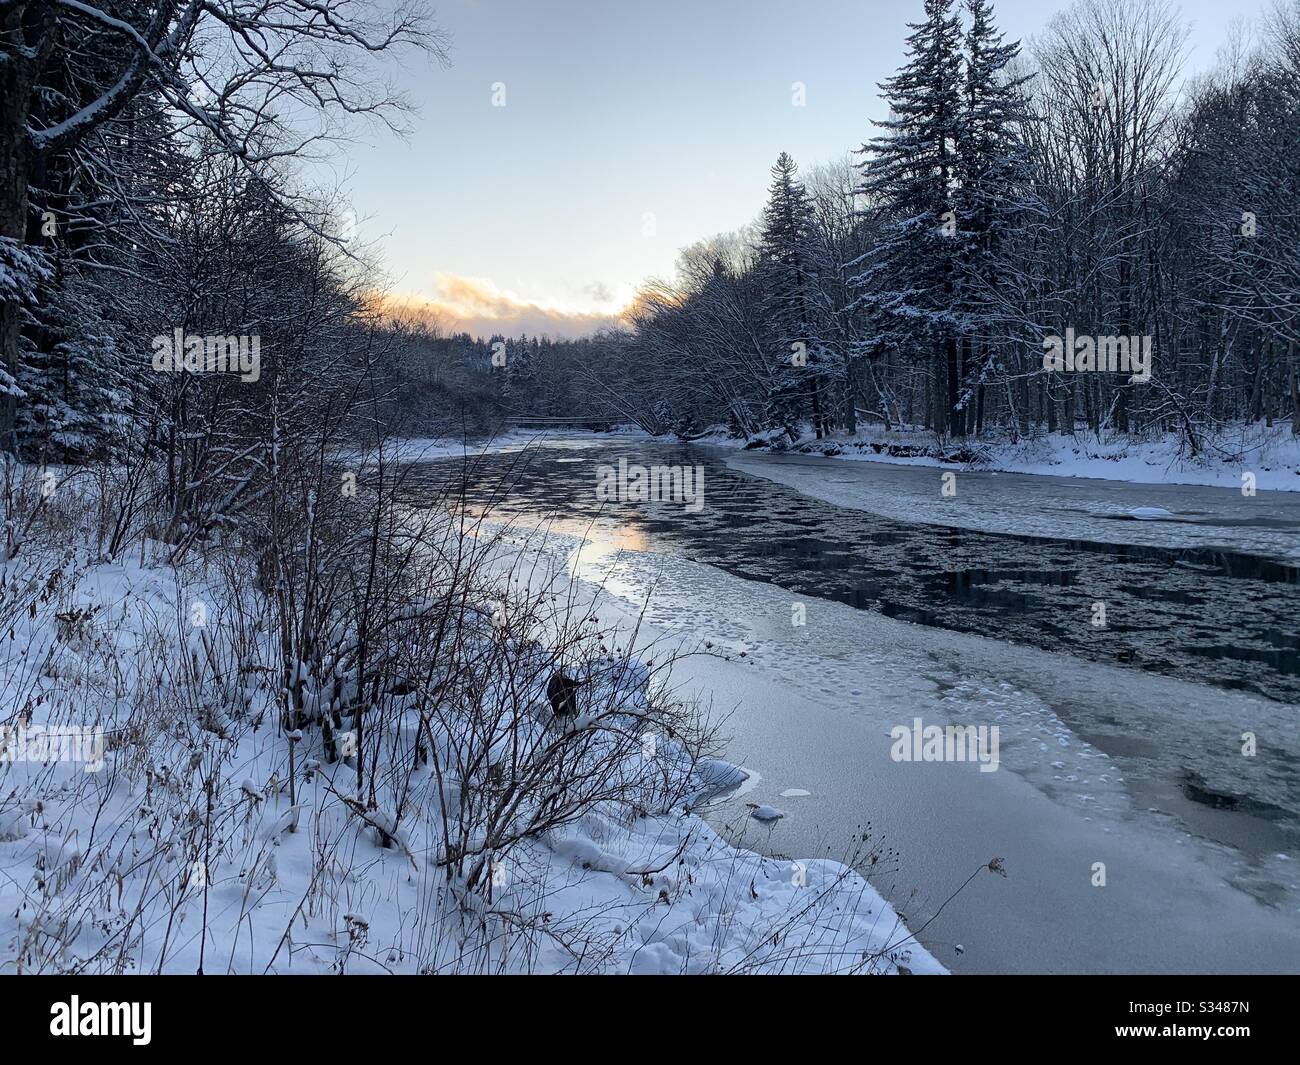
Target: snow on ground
<point x="184" y="847"/>
<point x="1272" y="455"/>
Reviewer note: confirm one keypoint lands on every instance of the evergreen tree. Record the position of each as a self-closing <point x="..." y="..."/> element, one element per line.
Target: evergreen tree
<point x="992" y="195"/>
<point x="520" y="393"/>
<point x="785" y="264"/>
<point x="908" y="280"/>
<point x="74" y="382"/>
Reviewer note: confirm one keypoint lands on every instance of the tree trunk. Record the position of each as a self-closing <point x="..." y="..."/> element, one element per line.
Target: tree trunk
<point x="1257" y="386"/>
<point x="956" y="418"/>
<point x="15" y="166"/>
<point x="1125" y="321"/>
<point x="1291" y="356"/>
<point x="851" y="397"/>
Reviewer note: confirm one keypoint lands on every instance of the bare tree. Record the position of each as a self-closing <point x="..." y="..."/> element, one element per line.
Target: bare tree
<point x="264" y="78"/>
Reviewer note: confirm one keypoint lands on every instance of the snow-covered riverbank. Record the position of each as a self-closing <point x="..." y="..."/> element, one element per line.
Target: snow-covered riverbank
<point x="200" y="840"/>
<point x="1045" y="505"/>
<point x="1255" y="456"/>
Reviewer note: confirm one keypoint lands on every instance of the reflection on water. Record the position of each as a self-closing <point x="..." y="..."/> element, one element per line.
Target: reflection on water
<point x="1210" y="616"/>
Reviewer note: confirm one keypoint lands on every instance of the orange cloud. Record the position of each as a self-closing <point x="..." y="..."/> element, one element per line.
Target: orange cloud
<point x="478" y="307"/>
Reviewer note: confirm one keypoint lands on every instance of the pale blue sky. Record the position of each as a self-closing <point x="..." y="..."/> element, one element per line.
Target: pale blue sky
<point x="615" y="109"/>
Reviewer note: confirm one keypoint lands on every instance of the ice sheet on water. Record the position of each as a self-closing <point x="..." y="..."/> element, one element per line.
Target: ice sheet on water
<point x="1076" y="730"/>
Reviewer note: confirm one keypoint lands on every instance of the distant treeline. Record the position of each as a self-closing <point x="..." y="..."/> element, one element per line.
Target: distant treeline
<point x="1080" y="184"/>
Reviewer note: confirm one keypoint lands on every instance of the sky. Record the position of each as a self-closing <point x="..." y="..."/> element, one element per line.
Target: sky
<point x="629" y="130"/>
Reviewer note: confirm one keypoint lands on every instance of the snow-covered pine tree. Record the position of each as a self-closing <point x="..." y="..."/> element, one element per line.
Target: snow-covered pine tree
<point x="908" y="279"/>
<point x="520" y="392"/>
<point x="992" y="197"/>
<point x="76" y="391"/>
<point x="785" y="263"/>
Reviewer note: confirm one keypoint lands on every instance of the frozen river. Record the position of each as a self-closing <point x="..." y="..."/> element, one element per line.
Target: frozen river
<point x="1121" y="747"/>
